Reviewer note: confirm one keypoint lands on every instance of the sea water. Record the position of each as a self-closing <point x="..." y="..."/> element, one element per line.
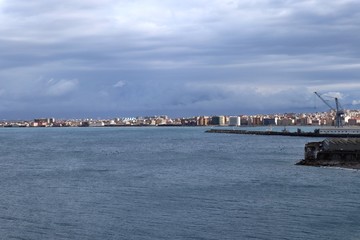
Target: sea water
<point x="168" y="183"/>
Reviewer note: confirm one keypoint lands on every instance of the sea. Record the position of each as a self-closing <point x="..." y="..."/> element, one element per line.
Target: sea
<point x="169" y="183"/>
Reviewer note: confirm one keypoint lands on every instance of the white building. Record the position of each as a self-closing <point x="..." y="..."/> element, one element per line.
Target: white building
<point x="234" y="121"/>
<point x="349" y="130"/>
<point x="96" y="124"/>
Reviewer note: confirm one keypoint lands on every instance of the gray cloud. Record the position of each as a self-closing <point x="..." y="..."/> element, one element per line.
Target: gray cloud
<point x="119" y="84"/>
<point x="180" y="57"/>
<point x="60" y="88"/>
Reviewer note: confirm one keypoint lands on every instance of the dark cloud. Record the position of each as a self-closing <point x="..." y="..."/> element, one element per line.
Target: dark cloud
<point x="175" y="57"/>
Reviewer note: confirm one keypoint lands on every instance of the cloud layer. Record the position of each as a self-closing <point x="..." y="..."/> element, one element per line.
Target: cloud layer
<point x="116" y="58"/>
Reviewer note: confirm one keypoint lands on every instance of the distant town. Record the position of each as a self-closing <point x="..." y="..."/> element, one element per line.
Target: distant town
<point x="351" y="118"/>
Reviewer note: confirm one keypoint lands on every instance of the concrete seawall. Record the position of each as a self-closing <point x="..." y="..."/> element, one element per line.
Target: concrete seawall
<point x="273" y="133"/>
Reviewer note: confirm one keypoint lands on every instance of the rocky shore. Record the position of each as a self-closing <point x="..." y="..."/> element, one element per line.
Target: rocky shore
<point x="330" y="163"/>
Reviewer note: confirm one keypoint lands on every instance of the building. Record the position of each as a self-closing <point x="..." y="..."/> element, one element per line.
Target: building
<point x="96" y="124"/>
<point x="234" y="121"/>
<point x="202" y="121"/>
<point x="335" y="152"/>
<point x="269" y="121"/>
<point x="244" y="120"/>
<point x="349" y="130"/>
<point x="218" y="120"/>
<point x="285" y="122"/>
<point x="44" y="122"/>
<point x="256" y="121"/>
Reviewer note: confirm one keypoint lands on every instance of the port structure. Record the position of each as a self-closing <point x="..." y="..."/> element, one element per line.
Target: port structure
<point x="339" y="112"/>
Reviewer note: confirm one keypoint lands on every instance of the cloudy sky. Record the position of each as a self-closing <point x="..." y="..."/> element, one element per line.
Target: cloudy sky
<point x="91" y="58"/>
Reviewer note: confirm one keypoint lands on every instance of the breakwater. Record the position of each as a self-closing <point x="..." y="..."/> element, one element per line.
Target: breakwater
<point x="283" y="133"/>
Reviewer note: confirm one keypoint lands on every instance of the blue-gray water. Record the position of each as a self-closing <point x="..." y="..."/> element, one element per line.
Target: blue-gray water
<point x="168" y="183"/>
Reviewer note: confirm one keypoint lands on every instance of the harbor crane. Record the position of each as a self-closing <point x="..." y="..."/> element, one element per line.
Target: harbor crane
<point x="339" y="112"/>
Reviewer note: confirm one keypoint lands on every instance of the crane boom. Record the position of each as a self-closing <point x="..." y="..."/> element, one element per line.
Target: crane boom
<point x="338" y="111"/>
<point x="325" y="101"/>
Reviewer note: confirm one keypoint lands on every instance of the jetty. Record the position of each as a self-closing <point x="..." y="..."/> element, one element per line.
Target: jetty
<point x="298" y="133"/>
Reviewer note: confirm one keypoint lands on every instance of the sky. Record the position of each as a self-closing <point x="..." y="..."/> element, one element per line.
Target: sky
<point x="114" y="58"/>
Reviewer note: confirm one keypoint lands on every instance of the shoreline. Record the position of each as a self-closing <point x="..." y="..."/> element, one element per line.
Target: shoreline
<point x="329" y="163"/>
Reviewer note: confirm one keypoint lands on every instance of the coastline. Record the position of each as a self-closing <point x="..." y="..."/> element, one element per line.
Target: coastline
<point x="329" y="163"/>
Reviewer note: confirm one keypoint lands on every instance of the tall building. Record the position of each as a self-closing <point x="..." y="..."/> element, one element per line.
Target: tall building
<point x="218" y="120"/>
<point x="234" y="121"/>
<point x="256" y="121"/>
<point x="202" y="121"/>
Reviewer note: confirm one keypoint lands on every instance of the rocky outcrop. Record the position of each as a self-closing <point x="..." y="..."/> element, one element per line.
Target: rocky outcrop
<point x="330" y="163"/>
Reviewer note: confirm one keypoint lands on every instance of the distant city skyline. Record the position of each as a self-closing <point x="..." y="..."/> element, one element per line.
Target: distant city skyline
<point x="77" y="58"/>
<point x="348" y="118"/>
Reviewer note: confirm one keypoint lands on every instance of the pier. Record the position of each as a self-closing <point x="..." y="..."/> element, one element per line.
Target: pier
<point x="285" y="133"/>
